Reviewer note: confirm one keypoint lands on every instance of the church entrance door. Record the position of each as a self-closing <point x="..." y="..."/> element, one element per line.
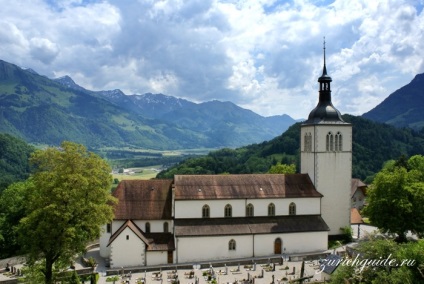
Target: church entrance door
<point x="277" y="246"/>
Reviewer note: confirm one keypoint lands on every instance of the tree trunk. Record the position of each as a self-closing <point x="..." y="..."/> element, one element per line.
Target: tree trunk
<point x="48" y="275"/>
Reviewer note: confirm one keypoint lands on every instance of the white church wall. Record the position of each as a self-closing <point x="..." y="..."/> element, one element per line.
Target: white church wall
<point x="105" y="237"/>
<point x="156" y="226"/>
<point x="335" y="186"/>
<point x="193" y="208"/>
<point x="331" y="173"/>
<point x="156" y="257"/>
<point x="192" y="249"/>
<point x="291" y="243"/>
<point x="127" y="250"/>
<point x="103" y="241"/>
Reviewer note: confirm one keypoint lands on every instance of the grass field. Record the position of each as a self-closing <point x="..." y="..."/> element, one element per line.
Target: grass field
<point x="145" y="173"/>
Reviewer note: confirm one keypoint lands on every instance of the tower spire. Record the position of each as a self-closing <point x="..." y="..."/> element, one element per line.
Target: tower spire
<point x="324" y="69"/>
<point x="324" y="111"/>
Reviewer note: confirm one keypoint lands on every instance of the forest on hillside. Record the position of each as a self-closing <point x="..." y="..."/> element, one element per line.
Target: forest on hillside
<point x="14" y="155"/>
<point x="373" y="144"/>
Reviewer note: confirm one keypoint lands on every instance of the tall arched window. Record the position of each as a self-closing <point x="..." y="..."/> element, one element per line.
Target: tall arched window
<point x="165" y="227"/>
<point x="292" y="209"/>
<point x="228" y="212"/>
<point x="232" y="245"/>
<point x="329" y="145"/>
<point x="339" y="142"/>
<point x="271" y="209"/>
<point x="147" y="227"/>
<point x="249" y="210"/>
<point x="205" y="211"/>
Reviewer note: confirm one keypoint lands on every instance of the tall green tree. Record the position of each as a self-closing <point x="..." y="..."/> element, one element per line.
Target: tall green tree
<point x="68" y="200"/>
<point x="396" y="198"/>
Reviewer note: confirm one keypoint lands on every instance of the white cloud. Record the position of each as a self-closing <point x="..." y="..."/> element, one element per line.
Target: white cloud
<point x="263" y="55"/>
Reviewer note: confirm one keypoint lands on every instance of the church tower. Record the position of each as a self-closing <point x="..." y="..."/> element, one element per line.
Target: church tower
<point x="326" y="155"/>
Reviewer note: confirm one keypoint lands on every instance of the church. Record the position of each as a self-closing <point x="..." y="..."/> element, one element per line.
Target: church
<point x="194" y="218"/>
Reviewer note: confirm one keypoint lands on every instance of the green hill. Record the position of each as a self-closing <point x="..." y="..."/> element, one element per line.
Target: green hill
<point x="404" y="107"/>
<point x="373" y="144"/>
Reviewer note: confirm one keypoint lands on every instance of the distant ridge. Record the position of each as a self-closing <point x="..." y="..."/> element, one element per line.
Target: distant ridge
<point x="404" y="107"/>
<point x="48" y="111"/>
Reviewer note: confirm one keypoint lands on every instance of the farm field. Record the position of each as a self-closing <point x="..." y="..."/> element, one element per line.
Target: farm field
<point x="138" y="173"/>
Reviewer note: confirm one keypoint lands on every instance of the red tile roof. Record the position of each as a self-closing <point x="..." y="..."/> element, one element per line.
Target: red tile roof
<point x="243" y="186"/>
<point x="143" y="200"/>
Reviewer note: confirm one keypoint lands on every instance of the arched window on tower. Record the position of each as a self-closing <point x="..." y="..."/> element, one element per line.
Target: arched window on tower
<point x="228" y="211"/>
<point x="339" y="142"/>
<point x="271" y="209"/>
<point x="249" y="210"/>
<point x="165" y="227"/>
<point x="292" y="209"/>
<point x="147" y="227"/>
<point x="329" y="145"/>
<point x="205" y="211"/>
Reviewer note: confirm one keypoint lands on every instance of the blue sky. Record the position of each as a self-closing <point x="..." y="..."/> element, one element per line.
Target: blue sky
<point x="263" y="55"/>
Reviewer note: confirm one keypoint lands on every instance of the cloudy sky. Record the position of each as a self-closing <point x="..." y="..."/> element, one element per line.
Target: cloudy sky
<point x="264" y="55"/>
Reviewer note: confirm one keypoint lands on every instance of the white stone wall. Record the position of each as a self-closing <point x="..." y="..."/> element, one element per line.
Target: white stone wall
<point x="192" y="249"/>
<point x="103" y="241"/>
<point x="193" y="208"/>
<point x="331" y="173"/>
<point x="127" y="250"/>
<point x="157" y="257"/>
<point x="156" y="226"/>
<point x="291" y="243"/>
<point x="105" y="237"/>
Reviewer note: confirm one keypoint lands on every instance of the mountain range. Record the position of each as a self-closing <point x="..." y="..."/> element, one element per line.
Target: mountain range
<point x="48" y="111"/>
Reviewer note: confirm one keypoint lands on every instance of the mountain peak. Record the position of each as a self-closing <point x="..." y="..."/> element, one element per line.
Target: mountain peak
<point x="67" y="81"/>
<point x="404" y="107"/>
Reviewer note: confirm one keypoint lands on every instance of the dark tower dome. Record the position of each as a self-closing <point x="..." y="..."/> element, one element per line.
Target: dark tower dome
<point x="324" y="112"/>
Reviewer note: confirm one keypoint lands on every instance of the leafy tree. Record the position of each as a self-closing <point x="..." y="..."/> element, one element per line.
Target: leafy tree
<point x="68" y="200"/>
<point x="283" y="169"/>
<point x="12" y="208"/>
<point x="396" y="198"/>
<point x="383" y="261"/>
